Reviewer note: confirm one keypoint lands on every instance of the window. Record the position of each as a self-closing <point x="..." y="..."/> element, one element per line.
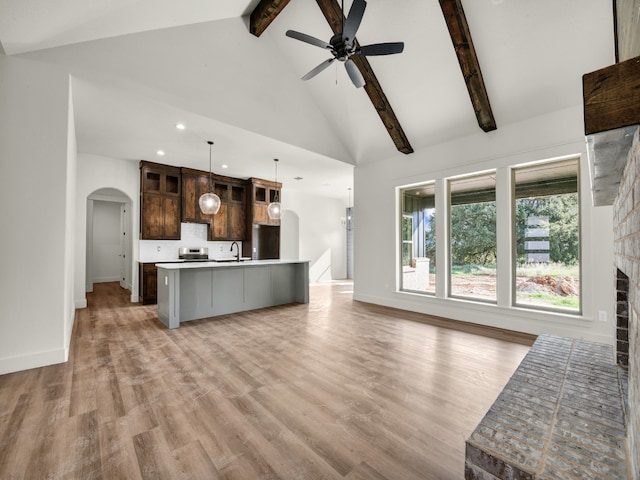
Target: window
<point x="407" y="240"/>
<point x="543" y="221"/>
<point x="418" y="238"/>
<point x="547" y="236"/>
<point x="472" y="237"/>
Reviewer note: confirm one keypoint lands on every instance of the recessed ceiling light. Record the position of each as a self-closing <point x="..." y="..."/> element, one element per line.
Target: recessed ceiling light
<point x="225" y="166"/>
<point x="180" y="126"/>
<point x="160" y="152"/>
<point x="297" y="178"/>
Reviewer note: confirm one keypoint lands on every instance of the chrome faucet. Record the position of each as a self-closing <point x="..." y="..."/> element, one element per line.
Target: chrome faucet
<point x="237" y="250"/>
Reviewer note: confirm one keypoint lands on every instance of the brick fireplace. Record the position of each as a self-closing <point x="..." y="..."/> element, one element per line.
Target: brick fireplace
<point x="627" y="262"/>
<point x="622" y="319"/>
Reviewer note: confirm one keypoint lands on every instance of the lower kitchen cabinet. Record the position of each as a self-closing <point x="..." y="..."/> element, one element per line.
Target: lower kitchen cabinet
<point x="148" y="283"/>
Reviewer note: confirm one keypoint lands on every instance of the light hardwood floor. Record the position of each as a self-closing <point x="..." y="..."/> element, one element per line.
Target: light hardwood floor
<point x="333" y="389"/>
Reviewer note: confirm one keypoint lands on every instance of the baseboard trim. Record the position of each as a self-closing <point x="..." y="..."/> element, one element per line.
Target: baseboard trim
<point x="33" y="360"/>
<point x="533" y="322"/>
<point x="135" y="299"/>
<point x="106" y="279"/>
<point x="81" y="303"/>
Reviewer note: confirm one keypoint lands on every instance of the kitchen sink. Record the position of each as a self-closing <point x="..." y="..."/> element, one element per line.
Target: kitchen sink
<point x="230" y="259"/>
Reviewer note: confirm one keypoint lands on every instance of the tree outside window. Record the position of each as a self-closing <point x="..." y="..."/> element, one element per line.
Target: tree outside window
<point x="547" y="236"/>
<point x="473" y="237"/>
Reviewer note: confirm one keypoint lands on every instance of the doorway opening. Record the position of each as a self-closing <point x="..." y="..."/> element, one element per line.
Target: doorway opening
<point x="109" y="242"/>
<point x="349" y="228"/>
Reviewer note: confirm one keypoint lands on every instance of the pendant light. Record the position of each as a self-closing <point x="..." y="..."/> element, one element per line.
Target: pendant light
<point x="209" y="202"/>
<point x="274" y="210"/>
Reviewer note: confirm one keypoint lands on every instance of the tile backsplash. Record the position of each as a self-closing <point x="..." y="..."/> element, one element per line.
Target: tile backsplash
<point x="191" y="235"/>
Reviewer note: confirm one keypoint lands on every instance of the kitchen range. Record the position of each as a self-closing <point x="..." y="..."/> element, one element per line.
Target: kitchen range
<point x="193" y="254"/>
<point x="201" y="254"/>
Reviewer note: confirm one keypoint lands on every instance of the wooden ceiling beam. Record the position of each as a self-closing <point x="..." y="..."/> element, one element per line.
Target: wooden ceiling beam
<point x="334" y="16"/>
<point x="468" y="60"/>
<point x="265" y="12"/>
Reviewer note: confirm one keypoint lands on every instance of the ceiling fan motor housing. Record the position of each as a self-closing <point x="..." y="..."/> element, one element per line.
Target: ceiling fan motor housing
<point x="340" y="49"/>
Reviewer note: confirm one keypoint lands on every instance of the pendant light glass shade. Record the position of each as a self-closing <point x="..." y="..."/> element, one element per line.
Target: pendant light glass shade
<point x="209" y="202"/>
<point x="274" y="210"/>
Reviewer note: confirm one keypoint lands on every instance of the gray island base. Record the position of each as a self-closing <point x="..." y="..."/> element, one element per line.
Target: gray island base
<point x="191" y="291"/>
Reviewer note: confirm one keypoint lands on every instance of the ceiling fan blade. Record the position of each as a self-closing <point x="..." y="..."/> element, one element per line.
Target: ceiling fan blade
<point x="354" y="73"/>
<point x="303" y="37"/>
<point x="388" y="48"/>
<point x="353" y="20"/>
<point x="318" y="69"/>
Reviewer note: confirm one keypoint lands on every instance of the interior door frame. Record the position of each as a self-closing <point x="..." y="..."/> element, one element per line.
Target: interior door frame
<point x="117" y="196"/>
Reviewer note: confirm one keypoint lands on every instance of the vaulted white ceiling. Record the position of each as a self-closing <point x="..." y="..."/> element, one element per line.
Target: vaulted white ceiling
<point x="140" y="66"/>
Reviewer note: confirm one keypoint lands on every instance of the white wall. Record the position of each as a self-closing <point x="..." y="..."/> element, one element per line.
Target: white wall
<point x="106" y="241"/>
<point x="321" y="237"/>
<point x="94" y="173"/>
<point x="290" y="235"/>
<point x="377" y="210"/>
<point x="70" y="224"/>
<point x="36" y="154"/>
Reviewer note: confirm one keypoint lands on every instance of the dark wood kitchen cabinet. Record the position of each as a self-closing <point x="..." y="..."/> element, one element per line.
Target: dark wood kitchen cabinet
<point x="160" y="201"/>
<point x="195" y="183"/>
<point x="148" y="283"/>
<point x="230" y="221"/>
<point x="237" y="210"/>
<point x="263" y="192"/>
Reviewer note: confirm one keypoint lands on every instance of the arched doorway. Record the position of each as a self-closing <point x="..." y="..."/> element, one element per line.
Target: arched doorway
<point x="109" y="239"/>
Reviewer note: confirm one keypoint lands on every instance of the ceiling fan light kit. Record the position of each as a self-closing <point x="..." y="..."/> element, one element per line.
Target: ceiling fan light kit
<point x="343" y="45"/>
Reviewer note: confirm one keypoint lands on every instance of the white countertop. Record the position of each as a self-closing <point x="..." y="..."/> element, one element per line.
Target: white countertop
<point x="214" y="264"/>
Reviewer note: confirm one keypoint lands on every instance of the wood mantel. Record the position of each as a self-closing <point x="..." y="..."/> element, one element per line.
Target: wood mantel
<point x="612" y="97"/>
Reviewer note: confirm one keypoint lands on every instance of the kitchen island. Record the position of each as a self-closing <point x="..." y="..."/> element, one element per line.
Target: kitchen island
<point x="190" y="291"/>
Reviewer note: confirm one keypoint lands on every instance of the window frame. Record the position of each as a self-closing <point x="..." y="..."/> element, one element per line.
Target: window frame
<point x="403" y="241"/>
<point x="401" y="287"/>
<point x="514" y="245"/>
<point x="449" y="249"/>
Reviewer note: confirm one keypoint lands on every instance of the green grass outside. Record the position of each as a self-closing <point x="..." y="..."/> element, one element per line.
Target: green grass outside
<point x="551" y="269"/>
<point x="473" y="269"/>
<point x="571" y="301"/>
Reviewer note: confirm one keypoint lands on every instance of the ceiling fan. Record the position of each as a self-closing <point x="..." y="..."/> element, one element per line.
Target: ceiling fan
<point x="343" y="45"/>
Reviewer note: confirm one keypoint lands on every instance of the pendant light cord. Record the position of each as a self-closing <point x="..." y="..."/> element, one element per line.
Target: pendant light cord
<point x="210" y="145"/>
<point x="276" y="197"/>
